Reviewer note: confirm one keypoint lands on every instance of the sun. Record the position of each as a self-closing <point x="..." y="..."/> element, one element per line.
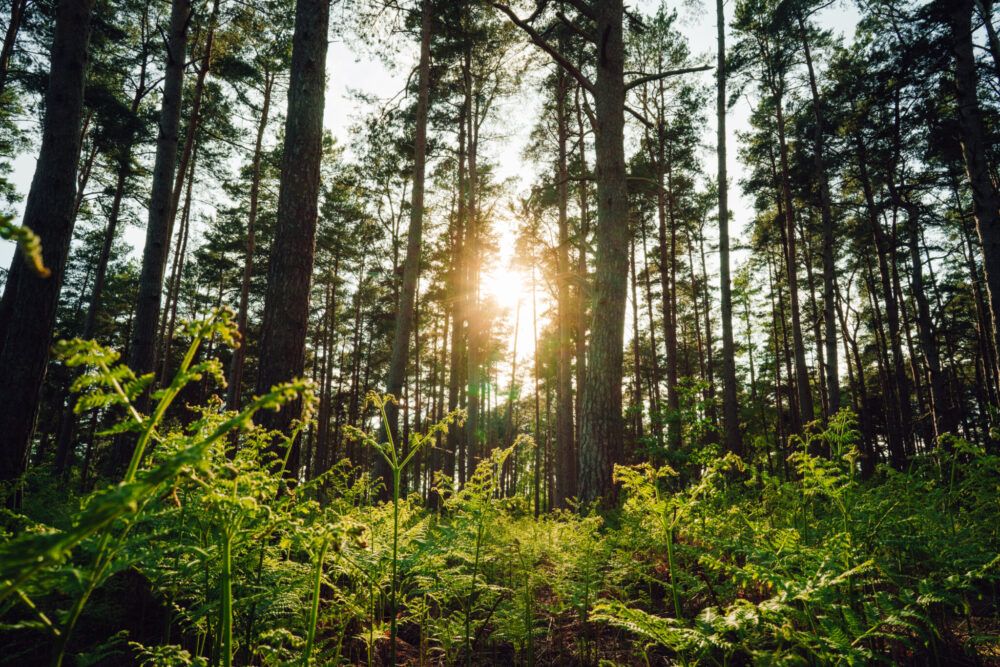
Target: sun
<point x="506" y="287"/>
<point x="510" y="290"/>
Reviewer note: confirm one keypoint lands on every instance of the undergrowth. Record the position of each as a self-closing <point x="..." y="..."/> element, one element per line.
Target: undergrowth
<point x="207" y="551"/>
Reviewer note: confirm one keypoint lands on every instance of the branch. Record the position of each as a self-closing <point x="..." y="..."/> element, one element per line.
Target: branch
<point x="540" y="42"/>
<point x="577" y="30"/>
<point x="663" y="75"/>
<point x="583" y="8"/>
<point x="590" y="112"/>
<point x="642" y="119"/>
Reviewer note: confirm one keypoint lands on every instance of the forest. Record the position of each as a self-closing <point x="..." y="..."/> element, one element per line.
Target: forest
<point x="499" y="332"/>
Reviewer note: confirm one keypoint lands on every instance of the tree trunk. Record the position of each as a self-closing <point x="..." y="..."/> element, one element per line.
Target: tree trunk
<point x="668" y="286"/>
<point x="730" y="405"/>
<point x="565" y="452"/>
<point x="168" y="322"/>
<point x="582" y="282"/>
<point x="861" y="398"/>
<point x="538" y="413"/>
<point x="901" y="413"/>
<point x="17" y="8"/>
<point x="601" y="429"/>
<point x="636" y="358"/>
<point x="405" y="313"/>
<point x="826" y="211"/>
<point x="286" y="304"/>
<point x="806" y="411"/>
<point x="454" y="455"/>
<point x="475" y="357"/>
<point x="235" y="380"/>
<point x="142" y="346"/>
<point x="67" y="429"/>
<point x="942" y="415"/>
<point x="986" y="202"/>
<point x="28" y="307"/>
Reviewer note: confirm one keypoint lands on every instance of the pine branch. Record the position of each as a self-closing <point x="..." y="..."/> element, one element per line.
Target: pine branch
<point x="663" y="75"/>
<point x="541" y="43"/>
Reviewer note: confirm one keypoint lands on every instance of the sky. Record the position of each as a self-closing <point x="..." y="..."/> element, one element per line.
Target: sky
<point x="351" y="70"/>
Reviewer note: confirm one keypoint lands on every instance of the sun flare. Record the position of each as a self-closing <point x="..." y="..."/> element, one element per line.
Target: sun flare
<point x="510" y="290"/>
<point x="506" y="287"/>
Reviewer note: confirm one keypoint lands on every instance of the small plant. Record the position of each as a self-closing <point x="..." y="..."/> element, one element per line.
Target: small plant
<point x="27" y="241"/>
<point x="397" y="461"/>
<point x="108" y="516"/>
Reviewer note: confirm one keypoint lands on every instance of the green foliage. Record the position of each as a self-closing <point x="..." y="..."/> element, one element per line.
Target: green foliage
<point x="820" y="568"/>
<point x="249" y="566"/>
<point x="27" y="241"/>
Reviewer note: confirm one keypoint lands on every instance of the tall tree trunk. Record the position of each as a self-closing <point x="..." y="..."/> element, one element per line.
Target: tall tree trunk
<point x="286" y="304"/>
<point x="142" y="346"/>
<point x="406" y="311"/>
<point x="538" y="413"/>
<point x="656" y="406"/>
<point x="565" y="452"/>
<point x="942" y="415"/>
<point x="28" y="307"/>
<point x="709" y="331"/>
<point x="354" y="403"/>
<point x="168" y="322"/>
<point x="194" y="122"/>
<point x="986" y="202"/>
<point x="17" y="8"/>
<point x="454" y="456"/>
<point x="730" y="406"/>
<point x="861" y="397"/>
<point x="235" y="380"/>
<point x="808" y="259"/>
<point x="779" y="344"/>
<point x="894" y="424"/>
<point x="326" y="346"/>
<point x="67" y="428"/>
<point x="582" y="282"/>
<point x="124" y="165"/>
<point x="508" y="420"/>
<point x="901" y="413"/>
<point x="636" y="358"/>
<point x="474" y="339"/>
<point x="806" y="411"/>
<point x="826" y="211"/>
<point x="601" y="429"/>
<point x="668" y="283"/>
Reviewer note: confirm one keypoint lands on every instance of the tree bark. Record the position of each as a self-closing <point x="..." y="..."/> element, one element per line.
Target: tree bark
<point x="806" y="411"/>
<point x="986" y="202"/>
<point x="565" y="452"/>
<point x="668" y="283"/>
<point x="636" y="358"/>
<point x="601" y="428"/>
<point x="942" y="415"/>
<point x="168" y="323"/>
<point x="142" y="346"/>
<point x="28" y="307"/>
<point x="582" y="282"/>
<point x="826" y="211"/>
<point x="235" y="380"/>
<point x="17" y="8"/>
<point x="286" y="304"/>
<point x="406" y="311"/>
<point x="730" y="406"/>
